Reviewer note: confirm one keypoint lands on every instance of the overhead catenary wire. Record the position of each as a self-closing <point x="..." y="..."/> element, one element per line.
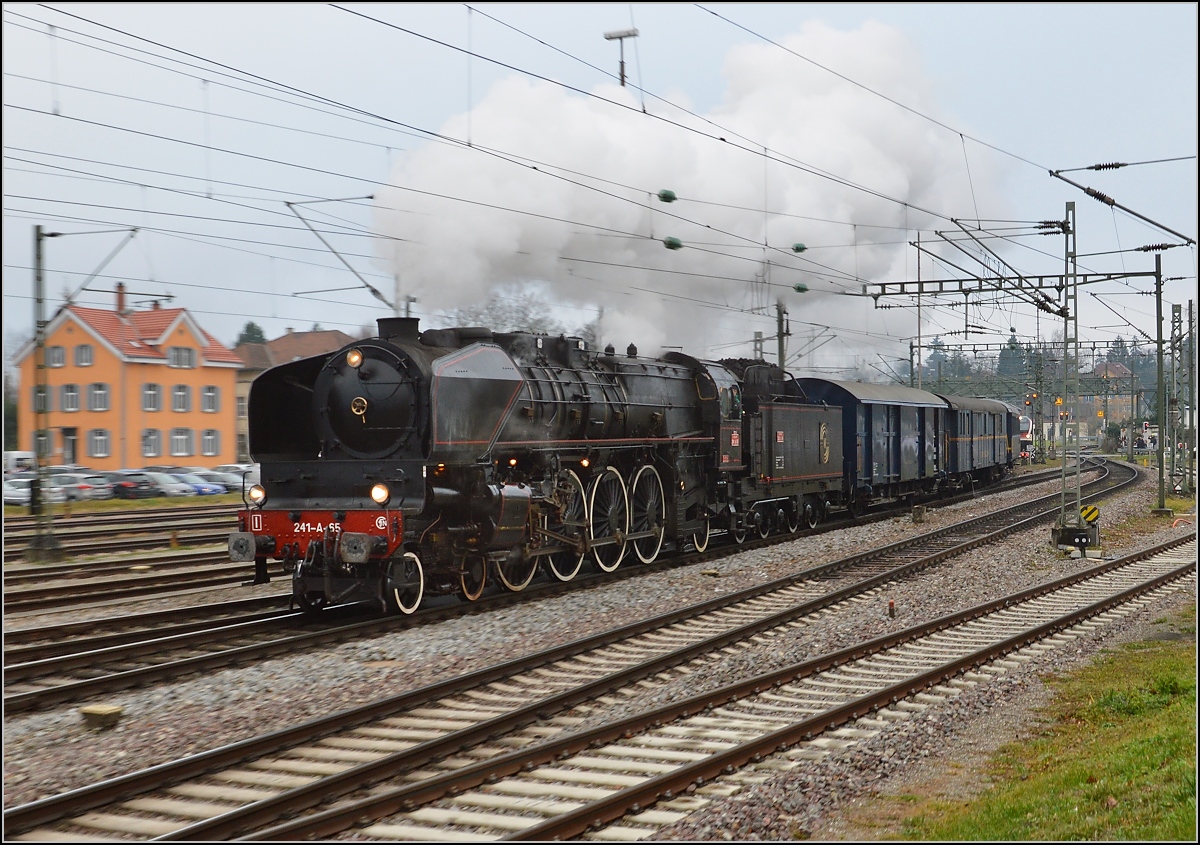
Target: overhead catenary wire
<point x="856" y="239"/>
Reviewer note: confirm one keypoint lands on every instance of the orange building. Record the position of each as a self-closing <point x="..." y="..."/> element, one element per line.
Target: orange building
<point x="127" y="388"/>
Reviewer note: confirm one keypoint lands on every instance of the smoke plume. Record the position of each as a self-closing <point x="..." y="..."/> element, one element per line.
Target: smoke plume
<point x="567" y="205"/>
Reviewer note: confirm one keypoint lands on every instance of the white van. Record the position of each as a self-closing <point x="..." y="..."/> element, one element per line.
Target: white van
<point x="19" y="462"/>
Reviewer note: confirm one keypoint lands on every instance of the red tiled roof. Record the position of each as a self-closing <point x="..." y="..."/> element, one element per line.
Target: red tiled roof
<point x="137" y="334"/>
<point x="295" y="345"/>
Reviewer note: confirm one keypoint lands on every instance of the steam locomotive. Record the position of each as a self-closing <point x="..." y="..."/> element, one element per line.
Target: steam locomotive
<point x="422" y="463"/>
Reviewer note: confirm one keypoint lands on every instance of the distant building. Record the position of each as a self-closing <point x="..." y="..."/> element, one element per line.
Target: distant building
<point x="1114" y="397"/>
<point x="256" y="357"/>
<point x="128" y="388"/>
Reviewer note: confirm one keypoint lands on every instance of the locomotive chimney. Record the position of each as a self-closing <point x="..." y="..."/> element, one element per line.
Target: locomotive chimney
<point x="399" y="329"/>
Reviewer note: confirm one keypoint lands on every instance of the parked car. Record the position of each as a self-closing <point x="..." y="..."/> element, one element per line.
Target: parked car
<point x="251" y="472"/>
<point x="232" y="483"/>
<point x="170" y="485"/>
<point x="74" y="469"/>
<point x="132" y="485"/>
<point x="80" y="486"/>
<point x="202" y="487"/>
<point x="17" y="491"/>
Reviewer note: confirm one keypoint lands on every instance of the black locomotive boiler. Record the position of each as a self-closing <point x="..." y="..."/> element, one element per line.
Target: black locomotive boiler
<point x="417" y="463"/>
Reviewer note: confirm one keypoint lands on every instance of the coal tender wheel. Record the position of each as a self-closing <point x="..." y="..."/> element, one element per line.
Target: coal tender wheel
<point x="609" y="509"/>
<point x="406" y="582"/>
<point x="474" y="576"/>
<point x="648" y="512"/>
<point x="764" y="525"/>
<point x="794" y="511"/>
<point x="700" y="537"/>
<point x="572" y="523"/>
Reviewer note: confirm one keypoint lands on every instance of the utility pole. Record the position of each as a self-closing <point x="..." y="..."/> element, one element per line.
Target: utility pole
<point x="781" y="331"/>
<point x="620" y="35"/>
<point x="1161" y="510"/>
<point x="1173" y="403"/>
<point x="44" y="547"/>
<point x="1070" y="527"/>
<point x="1189" y="480"/>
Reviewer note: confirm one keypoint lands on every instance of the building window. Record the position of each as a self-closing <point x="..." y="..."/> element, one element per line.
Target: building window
<point x="70" y="397"/>
<point x="210" y="442"/>
<point x="41" y="399"/>
<point x="241" y="407"/>
<point x="98" y="397"/>
<point x="151" y="443"/>
<point x="243" y="448"/>
<point x="210" y="399"/>
<point x="56" y="356"/>
<point x="41" y="444"/>
<point x="83" y="355"/>
<point x="181" y="356"/>
<point x="181" y="442"/>
<point x="181" y="398"/>
<point x="151" y="397"/>
<point x="98" y="443"/>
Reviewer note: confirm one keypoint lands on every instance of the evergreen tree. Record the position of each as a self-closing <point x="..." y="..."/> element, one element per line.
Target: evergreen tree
<point x="252" y="333"/>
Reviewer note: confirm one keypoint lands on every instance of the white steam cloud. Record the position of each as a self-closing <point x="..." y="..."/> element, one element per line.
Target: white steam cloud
<point x="586" y="227"/>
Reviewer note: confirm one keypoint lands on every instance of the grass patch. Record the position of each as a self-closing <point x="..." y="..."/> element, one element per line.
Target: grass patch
<point x="1116" y="760"/>
<point x="61" y="509"/>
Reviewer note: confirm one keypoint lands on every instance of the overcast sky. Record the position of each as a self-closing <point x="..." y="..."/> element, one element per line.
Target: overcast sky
<point x="503" y="155"/>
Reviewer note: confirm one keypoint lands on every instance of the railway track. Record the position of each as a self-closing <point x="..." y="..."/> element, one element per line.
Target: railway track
<point x="97" y="533"/>
<point x="106" y="532"/>
<point x="493" y="755"/>
<point x="67" y="673"/>
<point x="131" y="579"/>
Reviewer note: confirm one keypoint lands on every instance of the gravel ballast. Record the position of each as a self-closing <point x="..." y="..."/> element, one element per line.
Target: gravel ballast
<point x="49" y="752"/>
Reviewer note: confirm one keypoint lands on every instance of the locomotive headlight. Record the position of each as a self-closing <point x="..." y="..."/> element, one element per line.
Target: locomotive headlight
<point x="354" y="358"/>
<point x="257" y="495"/>
<point x="380" y="494"/>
